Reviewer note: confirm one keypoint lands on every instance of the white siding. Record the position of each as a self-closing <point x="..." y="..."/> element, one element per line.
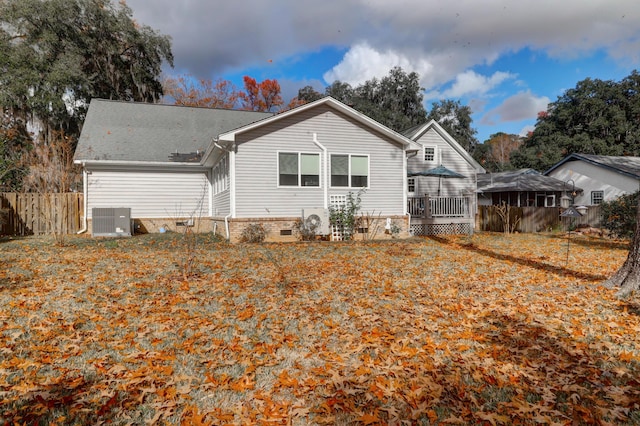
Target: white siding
<point x="590" y="177"/>
<point x="257" y="192"/>
<point x="150" y="194"/>
<point x="221" y="206"/>
<point x="449" y="158"/>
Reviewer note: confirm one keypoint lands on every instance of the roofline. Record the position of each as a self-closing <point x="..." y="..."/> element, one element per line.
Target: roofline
<point x="165" y="164"/>
<point x="358" y="116"/>
<point x="433" y="123"/>
<point x="572" y="157"/>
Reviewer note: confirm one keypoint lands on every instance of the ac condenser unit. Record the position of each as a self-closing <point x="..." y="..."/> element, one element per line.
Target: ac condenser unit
<point x="316" y="219"/>
<point x="111" y="222"/>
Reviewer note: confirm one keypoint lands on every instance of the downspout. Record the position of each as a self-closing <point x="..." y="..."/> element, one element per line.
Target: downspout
<point x="325" y="170"/>
<point x="405" y="189"/>
<point x="85" y="201"/>
<point x="226" y="226"/>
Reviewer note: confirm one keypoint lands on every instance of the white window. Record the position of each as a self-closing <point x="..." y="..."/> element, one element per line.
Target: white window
<point x="411" y="184"/>
<point x="298" y="169"/>
<point x="597" y="197"/>
<point x="430" y="154"/>
<point x="350" y="170"/>
<point x="220" y="176"/>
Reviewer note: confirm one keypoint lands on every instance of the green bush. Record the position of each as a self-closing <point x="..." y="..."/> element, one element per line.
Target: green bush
<point x="346" y="217"/>
<point x="253" y="233"/>
<point x="619" y="215"/>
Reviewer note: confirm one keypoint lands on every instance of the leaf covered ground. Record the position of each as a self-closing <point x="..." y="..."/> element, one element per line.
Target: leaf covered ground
<point x="489" y="329"/>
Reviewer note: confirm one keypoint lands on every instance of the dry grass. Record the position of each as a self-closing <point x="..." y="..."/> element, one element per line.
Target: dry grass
<point x="483" y="329"/>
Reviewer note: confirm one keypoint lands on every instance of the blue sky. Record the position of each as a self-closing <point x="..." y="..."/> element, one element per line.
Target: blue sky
<point x="506" y="59"/>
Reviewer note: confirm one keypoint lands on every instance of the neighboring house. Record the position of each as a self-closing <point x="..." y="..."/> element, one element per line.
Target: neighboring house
<point x="524" y="188"/>
<point x="603" y="178"/>
<point x="441" y="182"/>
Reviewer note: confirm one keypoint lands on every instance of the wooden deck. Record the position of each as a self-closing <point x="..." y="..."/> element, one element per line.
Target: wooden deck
<point x="441" y="215"/>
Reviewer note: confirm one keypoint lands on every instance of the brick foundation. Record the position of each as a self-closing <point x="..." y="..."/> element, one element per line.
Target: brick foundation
<point x="278" y="229"/>
<point x="283" y="229"/>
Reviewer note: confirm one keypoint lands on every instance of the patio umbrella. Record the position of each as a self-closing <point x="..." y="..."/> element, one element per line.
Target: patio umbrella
<point x="440" y="172"/>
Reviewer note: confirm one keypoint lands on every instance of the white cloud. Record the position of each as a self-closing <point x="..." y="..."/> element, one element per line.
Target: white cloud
<point x="470" y="83"/>
<point x="362" y="63"/>
<point x="440" y="39"/>
<point x="521" y="106"/>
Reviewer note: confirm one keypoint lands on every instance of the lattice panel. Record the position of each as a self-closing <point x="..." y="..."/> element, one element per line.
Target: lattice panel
<point x="418" y="230"/>
<point x="442" y="229"/>
<point x="337" y="202"/>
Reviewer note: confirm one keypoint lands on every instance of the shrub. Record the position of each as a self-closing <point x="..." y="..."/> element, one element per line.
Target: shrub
<point x="619" y="215"/>
<point x="346" y="217"/>
<point x="305" y="232"/>
<point x="253" y="233"/>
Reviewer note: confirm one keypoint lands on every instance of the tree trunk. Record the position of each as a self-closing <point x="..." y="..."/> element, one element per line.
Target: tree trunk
<point x="628" y="276"/>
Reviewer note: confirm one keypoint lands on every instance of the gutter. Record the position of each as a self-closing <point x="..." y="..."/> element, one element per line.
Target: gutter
<point x="85" y="201"/>
<point x="226" y="226"/>
<point x="325" y="171"/>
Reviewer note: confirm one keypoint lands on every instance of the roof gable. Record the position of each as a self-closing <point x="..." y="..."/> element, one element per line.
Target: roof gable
<point x="332" y="103"/>
<point x="116" y="131"/>
<point x="629" y="166"/>
<point x="417" y="132"/>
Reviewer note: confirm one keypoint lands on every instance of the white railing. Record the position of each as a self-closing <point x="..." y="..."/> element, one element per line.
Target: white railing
<point x="439" y="206"/>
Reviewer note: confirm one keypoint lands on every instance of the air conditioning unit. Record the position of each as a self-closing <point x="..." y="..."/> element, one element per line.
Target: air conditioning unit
<point x="111" y="222"/>
<point x="318" y="219"/>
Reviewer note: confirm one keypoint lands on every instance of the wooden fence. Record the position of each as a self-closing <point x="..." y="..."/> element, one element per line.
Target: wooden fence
<point x="534" y="219"/>
<point x="37" y="214"/>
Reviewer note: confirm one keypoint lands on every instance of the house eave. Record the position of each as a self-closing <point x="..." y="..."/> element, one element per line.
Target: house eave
<point x="578" y="157"/>
<point x="166" y="165"/>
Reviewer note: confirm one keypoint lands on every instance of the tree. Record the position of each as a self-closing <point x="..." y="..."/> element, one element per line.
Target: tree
<point x="627" y="278"/>
<point x="309" y="94"/>
<point x="340" y="91"/>
<point x="495" y="153"/>
<point x="55" y="55"/>
<point x="264" y="96"/>
<point x="596" y="117"/>
<point x="187" y="91"/>
<point x="618" y="215"/>
<point x="50" y="166"/>
<point x="456" y="119"/>
<point x="14" y="138"/>
<point x="395" y="100"/>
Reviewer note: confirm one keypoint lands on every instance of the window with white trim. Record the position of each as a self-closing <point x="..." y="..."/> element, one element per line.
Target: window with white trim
<point x="411" y="184"/>
<point x="298" y="169"/>
<point x="349" y="170"/>
<point x="430" y="154"/>
<point x="220" y="175"/>
<point x="597" y="197"/>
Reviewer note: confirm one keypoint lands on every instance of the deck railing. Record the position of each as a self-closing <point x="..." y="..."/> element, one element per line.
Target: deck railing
<point x="440" y="206"/>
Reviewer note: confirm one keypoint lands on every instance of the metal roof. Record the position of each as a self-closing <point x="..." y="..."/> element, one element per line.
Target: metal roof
<point x="629" y="166"/>
<point x="132" y="131"/>
<point x="522" y="180"/>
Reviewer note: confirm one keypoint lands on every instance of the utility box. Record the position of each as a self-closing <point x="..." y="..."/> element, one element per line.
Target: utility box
<point x="111" y="222"/>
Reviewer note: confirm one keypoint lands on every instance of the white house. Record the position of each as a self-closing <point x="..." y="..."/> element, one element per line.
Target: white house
<point x="601" y="177"/>
<point x="229" y="169"/>
<point x="441" y="182"/>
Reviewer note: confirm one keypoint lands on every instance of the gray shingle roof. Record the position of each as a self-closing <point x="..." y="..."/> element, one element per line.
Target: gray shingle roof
<point x="629" y="166"/>
<point x="129" y="131"/>
<point x="519" y="181"/>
